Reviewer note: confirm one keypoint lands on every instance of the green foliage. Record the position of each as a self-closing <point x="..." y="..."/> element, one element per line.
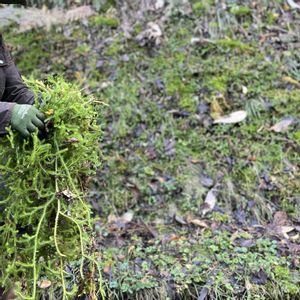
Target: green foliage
<point x="201" y="7"/>
<point x="83" y="49"/>
<point x="240" y="10"/>
<point x="46" y="223"/>
<point x="104" y="21"/>
<point x="218" y="258"/>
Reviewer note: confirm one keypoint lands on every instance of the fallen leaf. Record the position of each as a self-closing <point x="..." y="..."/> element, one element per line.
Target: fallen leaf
<point x="234" y="117"/>
<point x="209" y="203"/>
<point x="175" y="237"/>
<point x="131" y="249"/>
<point x="244" y="90"/>
<point x="292" y="4"/>
<point x="283" y="125"/>
<point x="195" y="40"/>
<point x="127" y="217"/>
<point x="68" y="194"/>
<point x="112" y="218"/>
<point x="106" y="269"/>
<point x="290" y="80"/>
<point x="44" y="284"/>
<point x="159" y="4"/>
<point x="72" y="140"/>
<point x="124" y="219"/>
<point x="295" y="237"/>
<point x="286" y="229"/>
<point x="199" y="223"/>
<point x="180" y="220"/>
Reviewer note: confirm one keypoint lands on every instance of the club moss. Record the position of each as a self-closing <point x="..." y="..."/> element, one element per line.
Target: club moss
<point x="46" y="223"/>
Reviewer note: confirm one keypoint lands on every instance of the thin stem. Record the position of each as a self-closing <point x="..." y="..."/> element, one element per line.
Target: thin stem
<point x="35" y="279"/>
<point x="56" y="227"/>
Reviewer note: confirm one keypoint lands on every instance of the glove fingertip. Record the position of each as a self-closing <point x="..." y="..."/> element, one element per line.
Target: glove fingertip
<point x="25" y="134"/>
<point x="41" y="116"/>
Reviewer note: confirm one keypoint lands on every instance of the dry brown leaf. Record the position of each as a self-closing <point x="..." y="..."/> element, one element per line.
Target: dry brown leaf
<point x="290" y="80"/>
<point x="175" y="237"/>
<point x="234" y="117"/>
<point x="107" y="269"/>
<point x="125" y="218"/>
<point x="131" y="249"/>
<point x="283" y="125"/>
<point x="44" y="284"/>
<point x="112" y="218"/>
<point x="199" y="223"/>
<point x="283" y="231"/>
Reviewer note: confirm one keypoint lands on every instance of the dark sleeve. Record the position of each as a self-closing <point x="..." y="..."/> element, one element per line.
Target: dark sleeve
<point x="15" y="90"/>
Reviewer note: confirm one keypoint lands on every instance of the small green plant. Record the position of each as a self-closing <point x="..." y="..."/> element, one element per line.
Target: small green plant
<point x="240" y="10"/>
<point x="104" y="21"/>
<point x="45" y="222"/>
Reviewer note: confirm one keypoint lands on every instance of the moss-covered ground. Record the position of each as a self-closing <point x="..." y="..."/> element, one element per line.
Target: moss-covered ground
<point x="163" y="155"/>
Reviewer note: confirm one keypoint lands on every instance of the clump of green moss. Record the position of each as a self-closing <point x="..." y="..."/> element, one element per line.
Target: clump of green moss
<point x="234" y="44"/>
<point x="104" y="21"/>
<point x="82" y="49"/>
<point x="240" y="10"/>
<point x="46" y="223"/>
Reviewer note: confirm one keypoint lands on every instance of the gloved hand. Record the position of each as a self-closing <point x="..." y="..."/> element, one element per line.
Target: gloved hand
<point x="26" y="119"/>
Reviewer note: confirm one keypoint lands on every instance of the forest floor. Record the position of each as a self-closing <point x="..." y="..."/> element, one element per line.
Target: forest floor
<point x="188" y="208"/>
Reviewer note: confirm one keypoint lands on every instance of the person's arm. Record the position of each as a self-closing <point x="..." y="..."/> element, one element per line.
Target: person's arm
<point x="15" y="89"/>
<point x="17" y="107"/>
